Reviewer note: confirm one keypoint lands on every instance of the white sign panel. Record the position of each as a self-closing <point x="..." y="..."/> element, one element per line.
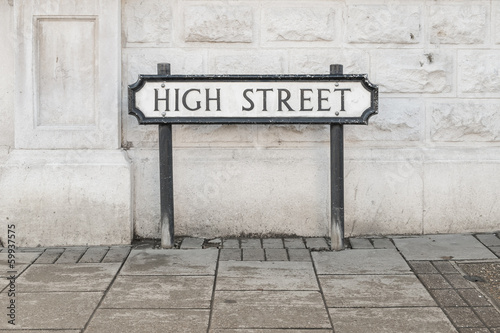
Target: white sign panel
<point x="253" y="99"/>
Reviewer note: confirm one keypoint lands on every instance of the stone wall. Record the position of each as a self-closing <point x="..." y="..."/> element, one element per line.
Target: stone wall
<point x="429" y="162"/>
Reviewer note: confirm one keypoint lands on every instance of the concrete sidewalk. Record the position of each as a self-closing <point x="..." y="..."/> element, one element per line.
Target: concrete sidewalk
<point x="397" y="284"/>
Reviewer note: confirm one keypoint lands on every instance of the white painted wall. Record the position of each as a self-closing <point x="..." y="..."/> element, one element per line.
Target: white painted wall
<point x="428" y="163"/>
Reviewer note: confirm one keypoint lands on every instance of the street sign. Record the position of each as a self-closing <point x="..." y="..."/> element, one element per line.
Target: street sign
<point x="258" y="99"/>
<point x="334" y="99"/>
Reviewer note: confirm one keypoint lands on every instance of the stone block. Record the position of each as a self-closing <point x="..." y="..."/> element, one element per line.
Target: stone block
<point x="244" y="62"/>
<point x="461" y="196"/>
<point x="368" y="176"/>
<point x="144" y="61"/>
<point x="384" y="24"/>
<point x="299" y="23"/>
<point x="495" y="18"/>
<point x="465" y="121"/>
<point x="7" y="68"/>
<point x="318" y="61"/>
<point x="229" y="24"/>
<point x="233" y="191"/>
<point x="458" y="24"/>
<point x="410" y="71"/>
<point x="478" y="72"/>
<point x="215" y="135"/>
<point x="67" y="197"/>
<point x="151" y="23"/>
<point x="398" y="119"/>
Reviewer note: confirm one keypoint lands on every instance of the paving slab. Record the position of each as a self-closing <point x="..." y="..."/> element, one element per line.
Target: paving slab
<point x="434" y="281"/>
<point x="360" y="243"/>
<point x="442" y="247"/>
<point x="423" y="267"/>
<point x="269" y="309"/>
<point x="374" y="291"/>
<point x="266" y="275"/>
<point x="231" y="244"/>
<point x="276" y="255"/>
<point x="463" y="317"/>
<point x="273" y="243"/>
<point x="294" y="243"/>
<point x="6" y="271"/>
<point x="253" y="254"/>
<point x="382" y="320"/>
<point x="71" y="255"/>
<point x="41" y="331"/>
<point x="116" y="254"/>
<point x="55" y="310"/>
<point x="192" y="243"/>
<point x="159" y="292"/>
<point x="251" y="243"/>
<point x="230" y="254"/>
<point x="20" y="257"/>
<point x="149" y="320"/>
<point x="49" y="256"/>
<point x="94" y="255"/>
<point x="382" y="243"/>
<point x="448" y="297"/>
<point x="489" y="315"/>
<point x="317" y="243"/>
<point x="171" y="262"/>
<point x="69" y="277"/>
<point x="299" y="254"/>
<point x="489" y="239"/>
<point x="267" y="331"/>
<point x="362" y="261"/>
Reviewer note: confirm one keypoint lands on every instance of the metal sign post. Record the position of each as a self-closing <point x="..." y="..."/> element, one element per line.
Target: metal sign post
<point x="335" y="99"/>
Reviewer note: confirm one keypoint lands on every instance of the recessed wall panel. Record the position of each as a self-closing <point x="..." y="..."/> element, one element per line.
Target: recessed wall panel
<point x="66" y="71"/>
